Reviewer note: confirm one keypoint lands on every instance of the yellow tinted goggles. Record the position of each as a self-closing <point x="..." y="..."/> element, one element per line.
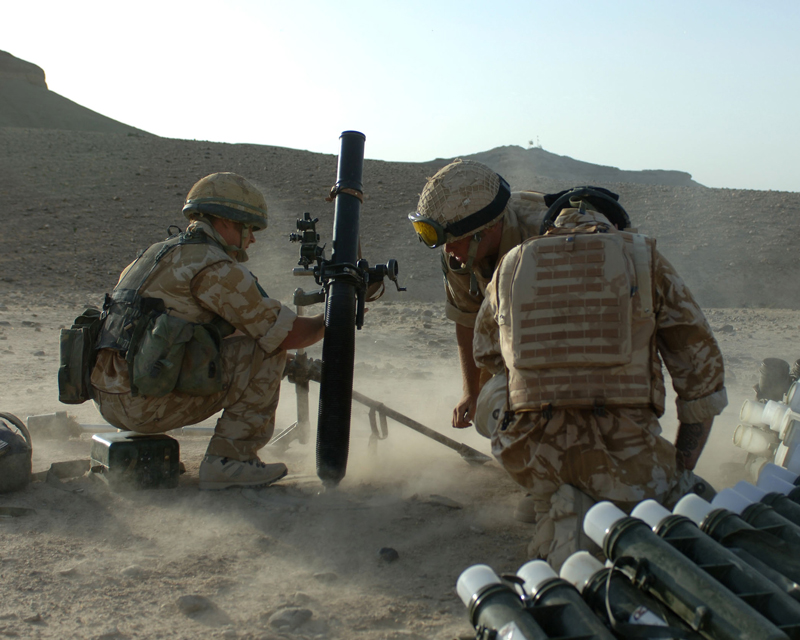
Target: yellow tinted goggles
<point x="429" y="231"/>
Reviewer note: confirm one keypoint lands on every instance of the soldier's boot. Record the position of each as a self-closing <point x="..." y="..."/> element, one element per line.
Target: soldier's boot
<point x="217" y="472"/>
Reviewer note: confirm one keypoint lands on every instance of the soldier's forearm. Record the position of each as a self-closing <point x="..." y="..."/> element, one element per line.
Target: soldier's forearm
<point x="690" y="441"/>
<point x="307" y="330"/>
<point x="470" y="374"/>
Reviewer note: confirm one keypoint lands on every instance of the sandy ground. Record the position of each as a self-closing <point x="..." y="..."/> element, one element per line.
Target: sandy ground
<point x="292" y="561"/>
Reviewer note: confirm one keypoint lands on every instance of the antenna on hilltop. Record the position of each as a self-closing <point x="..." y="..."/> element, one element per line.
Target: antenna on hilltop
<point x="538" y="144"/>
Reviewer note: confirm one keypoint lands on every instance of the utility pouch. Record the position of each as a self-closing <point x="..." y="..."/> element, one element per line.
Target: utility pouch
<point x="155" y="358"/>
<point x="201" y="369"/>
<point x="78" y="356"/>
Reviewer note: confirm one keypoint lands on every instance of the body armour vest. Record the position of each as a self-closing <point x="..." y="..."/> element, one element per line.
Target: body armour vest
<point x="576" y="321"/>
<point x="159" y="281"/>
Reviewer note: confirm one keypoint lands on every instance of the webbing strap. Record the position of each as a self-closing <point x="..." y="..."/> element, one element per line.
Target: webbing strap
<point x="146" y="263"/>
<point x="643" y="280"/>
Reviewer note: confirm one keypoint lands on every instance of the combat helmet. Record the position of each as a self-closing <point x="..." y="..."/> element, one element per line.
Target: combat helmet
<point x="603" y="200"/>
<point x="460" y="200"/>
<point x="229" y="196"/>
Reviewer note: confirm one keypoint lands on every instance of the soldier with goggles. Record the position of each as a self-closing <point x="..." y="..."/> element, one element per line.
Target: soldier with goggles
<point x="471" y="213"/>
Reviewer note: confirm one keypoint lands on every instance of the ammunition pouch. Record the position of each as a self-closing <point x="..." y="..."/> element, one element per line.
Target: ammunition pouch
<point x="78" y="355"/>
<point x="176" y="355"/>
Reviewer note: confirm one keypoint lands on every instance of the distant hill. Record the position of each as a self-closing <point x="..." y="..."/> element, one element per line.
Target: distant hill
<point x="524" y="168"/>
<point x="27" y="103"/>
<point x="84" y="199"/>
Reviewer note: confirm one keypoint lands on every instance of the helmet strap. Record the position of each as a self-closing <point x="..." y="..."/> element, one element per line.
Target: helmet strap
<point x="235" y="252"/>
<point x="245" y="234"/>
<point x="473" y="251"/>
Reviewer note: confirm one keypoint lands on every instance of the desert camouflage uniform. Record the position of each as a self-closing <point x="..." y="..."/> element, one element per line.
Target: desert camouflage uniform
<point x="617" y="454"/>
<point x="522" y="219"/>
<point x="217" y="285"/>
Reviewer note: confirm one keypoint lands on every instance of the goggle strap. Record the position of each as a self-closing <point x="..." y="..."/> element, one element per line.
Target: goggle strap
<point x="487" y="214"/>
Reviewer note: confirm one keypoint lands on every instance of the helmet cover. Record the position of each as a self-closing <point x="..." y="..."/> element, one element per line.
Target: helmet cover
<point x="603" y="200"/>
<point x="229" y="196"/>
<point x="459" y="190"/>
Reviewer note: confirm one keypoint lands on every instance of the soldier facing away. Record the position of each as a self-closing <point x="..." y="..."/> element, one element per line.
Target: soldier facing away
<point x="581" y="319"/>
<point x="189" y="332"/>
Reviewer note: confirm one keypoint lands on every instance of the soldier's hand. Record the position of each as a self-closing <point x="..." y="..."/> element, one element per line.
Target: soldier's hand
<point x="464" y="412"/>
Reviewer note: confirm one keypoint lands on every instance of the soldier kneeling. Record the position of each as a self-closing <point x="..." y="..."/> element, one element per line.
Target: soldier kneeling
<point x="188" y="331"/>
<point x="580" y="319"/>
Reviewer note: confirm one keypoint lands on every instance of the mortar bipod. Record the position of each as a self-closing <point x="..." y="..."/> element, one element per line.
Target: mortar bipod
<point x="303" y="368"/>
<point x="300" y="429"/>
<point x="377" y="434"/>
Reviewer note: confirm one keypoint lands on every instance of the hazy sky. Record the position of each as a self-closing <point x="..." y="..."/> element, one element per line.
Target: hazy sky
<point x="705" y="86"/>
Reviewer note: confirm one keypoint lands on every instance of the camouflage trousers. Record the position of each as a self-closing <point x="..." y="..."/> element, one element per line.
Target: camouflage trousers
<point x="248" y="403"/>
<point x="576" y="458"/>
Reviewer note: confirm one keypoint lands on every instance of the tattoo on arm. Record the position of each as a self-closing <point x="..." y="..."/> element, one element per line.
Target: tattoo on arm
<point x="690" y="437"/>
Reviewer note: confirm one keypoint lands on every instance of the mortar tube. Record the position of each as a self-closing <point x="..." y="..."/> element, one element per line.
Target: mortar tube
<point x="772" y="518"/>
<point x="732" y="532"/>
<point x="698" y="599"/>
<point x="743" y="501"/>
<point x="775" y="496"/>
<point x="744" y="581"/>
<point x="793" y="397"/>
<point x="557" y="606"/>
<point x="616" y="601"/>
<point x="494" y="605"/>
<point x="752" y="412"/>
<point x="338" y="345"/>
<point x="774" y="413"/>
<point x="772" y="469"/>
<point x="773" y="483"/>
<point x="787" y="426"/>
<point x="755" y="440"/>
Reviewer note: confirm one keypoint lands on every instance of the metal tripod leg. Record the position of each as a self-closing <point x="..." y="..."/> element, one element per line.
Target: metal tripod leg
<point x="300" y="430"/>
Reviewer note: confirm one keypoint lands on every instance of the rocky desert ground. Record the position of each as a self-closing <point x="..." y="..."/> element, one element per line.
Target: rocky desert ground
<point x="292" y="561"/>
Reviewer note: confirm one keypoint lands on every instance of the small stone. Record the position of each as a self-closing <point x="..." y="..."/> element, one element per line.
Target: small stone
<point x="35" y="618"/>
<point x="387" y="554"/>
<point x="134" y="572"/>
<point x="298" y="599"/>
<point x="445" y="501"/>
<point x="427" y="313"/>
<point x="726" y="328"/>
<point x="39" y="353"/>
<point x="326" y="576"/>
<point x="289" y="619"/>
<point x="194" y="604"/>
